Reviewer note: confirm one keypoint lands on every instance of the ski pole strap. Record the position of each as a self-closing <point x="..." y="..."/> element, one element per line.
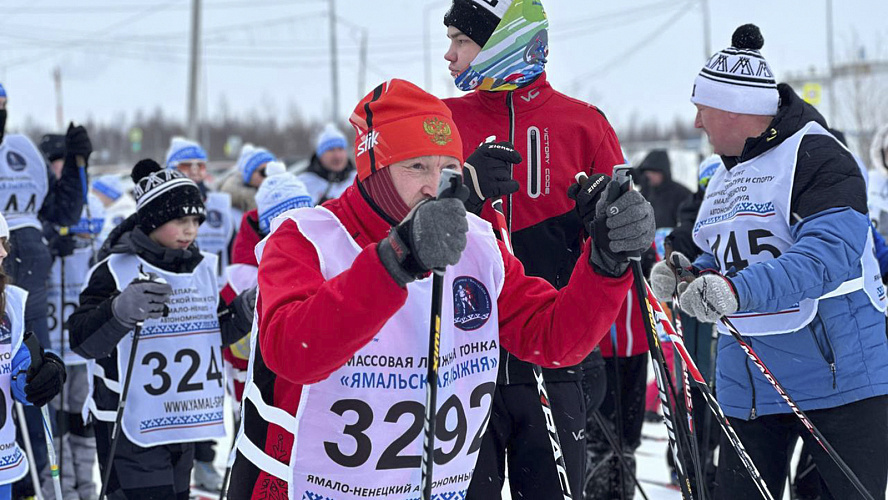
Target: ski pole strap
<point x="34" y="349"/>
<point x="84" y="181"/>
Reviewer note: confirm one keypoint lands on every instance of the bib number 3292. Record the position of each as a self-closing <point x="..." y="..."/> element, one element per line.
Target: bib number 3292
<point x="361" y="413"/>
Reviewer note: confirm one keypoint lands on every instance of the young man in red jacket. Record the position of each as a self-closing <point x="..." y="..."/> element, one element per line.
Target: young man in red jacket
<point x="335" y="399"/>
<point x="498" y="50"/>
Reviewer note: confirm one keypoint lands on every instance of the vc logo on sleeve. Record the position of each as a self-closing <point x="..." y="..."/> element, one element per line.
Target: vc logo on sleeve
<point x="471" y="303"/>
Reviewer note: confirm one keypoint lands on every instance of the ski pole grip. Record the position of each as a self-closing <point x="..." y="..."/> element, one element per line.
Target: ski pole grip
<point x="449" y="184"/>
<point x="152" y="277"/>
<point x="34" y="349"/>
<point x="621" y="175"/>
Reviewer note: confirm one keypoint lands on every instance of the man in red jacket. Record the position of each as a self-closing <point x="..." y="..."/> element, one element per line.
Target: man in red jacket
<point x="498" y="50"/>
<point x="335" y="399"/>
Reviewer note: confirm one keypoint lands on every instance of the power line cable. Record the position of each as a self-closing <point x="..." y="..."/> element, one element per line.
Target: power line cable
<point x="624" y="56"/>
<point x="68" y="10"/>
<point x="141" y="15"/>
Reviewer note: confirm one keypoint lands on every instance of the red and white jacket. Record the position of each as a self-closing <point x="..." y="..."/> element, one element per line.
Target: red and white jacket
<point x="332" y="320"/>
<point x="557" y="136"/>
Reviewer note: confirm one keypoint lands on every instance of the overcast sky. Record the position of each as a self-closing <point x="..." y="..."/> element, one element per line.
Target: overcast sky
<point x="629" y="57"/>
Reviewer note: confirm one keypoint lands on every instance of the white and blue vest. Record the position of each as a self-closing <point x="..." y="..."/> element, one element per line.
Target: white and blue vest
<point x="23" y="182"/>
<point x="177" y="389"/>
<point x="745" y="219"/>
<point x="216" y="232"/>
<point x="13" y="463"/>
<point x="62" y="305"/>
<point x="358" y="433"/>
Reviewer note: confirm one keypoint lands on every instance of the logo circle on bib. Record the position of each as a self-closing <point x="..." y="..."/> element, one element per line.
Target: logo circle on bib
<point x="5" y="330"/>
<point x="16" y="161"/>
<point x="214" y="218"/>
<point x="471" y="303"/>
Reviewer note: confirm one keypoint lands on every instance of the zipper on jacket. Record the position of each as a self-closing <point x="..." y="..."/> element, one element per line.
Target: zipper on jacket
<point x="511" y="106"/>
<point x="830" y="357"/>
<point x="534" y="169"/>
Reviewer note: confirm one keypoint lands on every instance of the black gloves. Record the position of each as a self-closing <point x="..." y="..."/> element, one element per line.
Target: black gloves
<point x="77" y="144"/>
<point x="488" y="173"/>
<point x="46" y="376"/>
<point x="585" y="194"/>
<point x="59" y="246"/>
<point x="245" y="306"/>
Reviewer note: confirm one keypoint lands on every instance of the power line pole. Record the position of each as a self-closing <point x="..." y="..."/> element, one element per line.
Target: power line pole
<point x="194" y="73"/>
<point x="362" y="65"/>
<point x="60" y="115"/>
<point x="707" y="42"/>
<point x="427" y="43"/>
<point x="334" y="62"/>
<point x="831" y="63"/>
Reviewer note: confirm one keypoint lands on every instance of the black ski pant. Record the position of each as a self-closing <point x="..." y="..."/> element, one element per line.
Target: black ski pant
<point x="517" y="433"/>
<point x="158" y="472"/>
<point x="858" y="431"/>
<point x="204" y="452"/>
<point x="604" y="471"/>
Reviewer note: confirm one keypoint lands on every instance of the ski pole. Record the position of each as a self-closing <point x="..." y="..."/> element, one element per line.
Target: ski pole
<point x="450" y="181"/>
<point x="689" y="414"/>
<point x="820" y="438"/>
<point x="29" y="451"/>
<point x="61" y="416"/>
<point x="84" y="184"/>
<point x="545" y="402"/>
<point x="709" y="456"/>
<point x="694" y="373"/>
<point x="618" y="408"/>
<point x="618" y="451"/>
<point x="678" y="442"/>
<point x="36" y="352"/>
<point x="115" y="433"/>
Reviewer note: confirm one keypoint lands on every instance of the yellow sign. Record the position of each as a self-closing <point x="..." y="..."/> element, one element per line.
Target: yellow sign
<point x="812" y="92"/>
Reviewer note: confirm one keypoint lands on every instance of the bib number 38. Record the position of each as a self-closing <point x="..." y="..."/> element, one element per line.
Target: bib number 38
<point x="392" y="457"/>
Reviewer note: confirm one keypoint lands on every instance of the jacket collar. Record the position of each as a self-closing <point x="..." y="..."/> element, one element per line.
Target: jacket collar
<point x="130" y="239"/>
<point x="315" y="167"/>
<point x="363" y="223"/>
<point x="793" y="114"/>
<point x="526" y="98"/>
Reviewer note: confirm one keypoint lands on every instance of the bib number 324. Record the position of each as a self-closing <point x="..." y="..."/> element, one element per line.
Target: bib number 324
<point x="190" y="359"/>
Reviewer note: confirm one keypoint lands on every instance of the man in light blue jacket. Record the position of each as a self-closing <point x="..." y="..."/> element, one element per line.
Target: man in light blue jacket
<point x="789" y="258"/>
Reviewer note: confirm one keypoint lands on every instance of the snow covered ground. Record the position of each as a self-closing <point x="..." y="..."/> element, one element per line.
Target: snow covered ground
<point x="651" y="456"/>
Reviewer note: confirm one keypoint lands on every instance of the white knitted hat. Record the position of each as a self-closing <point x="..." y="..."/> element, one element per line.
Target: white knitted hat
<point x="738" y="79"/>
<point x="280" y="192"/>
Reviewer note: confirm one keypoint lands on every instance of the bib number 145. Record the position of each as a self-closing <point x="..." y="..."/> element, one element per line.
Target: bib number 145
<point x="392" y="457"/>
<point x="732" y="256"/>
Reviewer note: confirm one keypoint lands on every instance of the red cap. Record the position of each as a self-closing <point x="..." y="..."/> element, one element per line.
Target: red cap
<point x="398" y="121"/>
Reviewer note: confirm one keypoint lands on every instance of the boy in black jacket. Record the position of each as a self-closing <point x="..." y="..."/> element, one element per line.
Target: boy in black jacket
<point x="176" y="393"/>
